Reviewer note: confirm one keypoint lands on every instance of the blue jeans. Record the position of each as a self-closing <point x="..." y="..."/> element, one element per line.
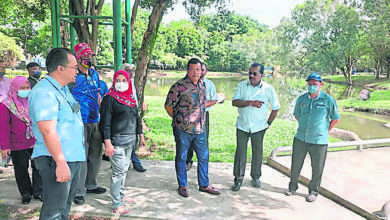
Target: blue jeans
<point x="134" y="159"/>
<point x="57" y="197"/>
<point x="183" y="142"/>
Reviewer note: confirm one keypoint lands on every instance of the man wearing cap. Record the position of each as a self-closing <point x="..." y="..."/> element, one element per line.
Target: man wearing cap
<point x="34" y="73"/>
<point x="86" y="92"/>
<point x="316" y="113"/>
<point x="252" y="97"/>
<point x="137" y="164"/>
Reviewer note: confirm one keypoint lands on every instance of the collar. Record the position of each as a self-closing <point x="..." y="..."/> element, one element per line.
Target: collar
<point x="319" y="95"/>
<point x="52" y="80"/>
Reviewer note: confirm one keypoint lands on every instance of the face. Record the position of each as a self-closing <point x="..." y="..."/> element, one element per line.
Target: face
<point x="255" y="76"/>
<point x="121" y="78"/>
<point x="313" y="82"/>
<point x="25" y="86"/>
<point x="204" y="71"/>
<point x="69" y="71"/>
<point x="194" y="72"/>
<point x="83" y="60"/>
<point x="32" y="69"/>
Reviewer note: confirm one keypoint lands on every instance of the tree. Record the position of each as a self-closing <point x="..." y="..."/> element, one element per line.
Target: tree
<point x="9" y="50"/>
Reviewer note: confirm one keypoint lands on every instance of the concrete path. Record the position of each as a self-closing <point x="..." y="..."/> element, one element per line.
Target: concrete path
<point x="155" y="196"/>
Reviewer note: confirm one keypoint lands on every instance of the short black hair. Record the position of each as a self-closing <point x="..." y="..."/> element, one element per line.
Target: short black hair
<point x="193" y="61"/>
<point x="204" y="64"/>
<point x="261" y="67"/>
<point x="31" y="65"/>
<point x="57" y="57"/>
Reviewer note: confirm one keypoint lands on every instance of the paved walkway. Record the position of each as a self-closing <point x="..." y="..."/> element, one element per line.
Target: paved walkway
<point x="155" y="196"/>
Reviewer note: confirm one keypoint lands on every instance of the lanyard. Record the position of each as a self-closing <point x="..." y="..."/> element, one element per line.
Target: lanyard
<point x="75" y="106"/>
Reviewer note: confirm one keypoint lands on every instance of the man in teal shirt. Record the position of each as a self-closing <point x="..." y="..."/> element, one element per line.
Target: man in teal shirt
<point x="252" y="97"/>
<point x="316" y="113"/>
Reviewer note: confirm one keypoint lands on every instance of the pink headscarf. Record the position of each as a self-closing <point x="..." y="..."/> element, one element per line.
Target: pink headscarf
<point x="126" y="97"/>
<point x="17" y="105"/>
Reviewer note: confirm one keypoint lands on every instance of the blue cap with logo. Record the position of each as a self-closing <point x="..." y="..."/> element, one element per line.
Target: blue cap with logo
<point x="314" y="76"/>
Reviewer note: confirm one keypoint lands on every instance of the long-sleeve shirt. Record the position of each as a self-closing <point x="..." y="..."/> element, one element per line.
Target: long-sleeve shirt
<point x="13" y="131"/>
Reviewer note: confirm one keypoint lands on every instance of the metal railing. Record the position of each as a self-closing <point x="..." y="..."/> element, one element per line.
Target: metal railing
<point x="359" y="144"/>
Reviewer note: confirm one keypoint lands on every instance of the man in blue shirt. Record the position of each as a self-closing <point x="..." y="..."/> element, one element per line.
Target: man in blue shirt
<point x="211" y="99"/>
<point x="252" y="97"/>
<point x="86" y="92"/>
<point x="316" y="113"/>
<point x="57" y="125"/>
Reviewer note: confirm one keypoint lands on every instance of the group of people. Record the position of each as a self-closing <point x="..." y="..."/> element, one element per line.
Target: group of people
<point x="62" y="123"/>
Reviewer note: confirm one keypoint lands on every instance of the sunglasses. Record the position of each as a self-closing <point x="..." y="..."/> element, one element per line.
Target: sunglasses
<point x="253" y="73"/>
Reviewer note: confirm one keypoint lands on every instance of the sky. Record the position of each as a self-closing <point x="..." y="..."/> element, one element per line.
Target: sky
<point x="268" y="12"/>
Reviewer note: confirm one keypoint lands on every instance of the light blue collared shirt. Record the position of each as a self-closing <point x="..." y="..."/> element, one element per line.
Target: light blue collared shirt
<point x="49" y="101"/>
<point x="211" y="92"/>
<point x="314" y="116"/>
<point x="251" y="119"/>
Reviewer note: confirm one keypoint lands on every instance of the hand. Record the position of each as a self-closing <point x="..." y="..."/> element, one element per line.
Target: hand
<point x="4" y="154"/>
<point x="62" y="172"/>
<point x="109" y="150"/>
<point x="256" y="103"/>
<point x="143" y="141"/>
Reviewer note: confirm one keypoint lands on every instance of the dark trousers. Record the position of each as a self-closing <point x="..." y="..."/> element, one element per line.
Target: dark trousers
<point x="317" y="154"/>
<point x="183" y="142"/>
<point x="57" y="197"/>
<point x="21" y="160"/>
<point x="241" y="152"/>
<point x="134" y="157"/>
<point x="190" y="154"/>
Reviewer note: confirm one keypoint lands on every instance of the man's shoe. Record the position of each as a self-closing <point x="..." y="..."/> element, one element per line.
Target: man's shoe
<point x="183" y="191"/>
<point x="26" y="200"/>
<point x="290" y="192"/>
<point x="188" y="165"/>
<point x="38" y="197"/>
<point x="209" y="189"/>
<point x="139" y="168"/>
<point x="237" y="185"/>
<point x="97" y="190"/>
<point x="121" y="210"/>
<point x="256" y="183"/>
<point x="311" y="197"/>
<point x="79" y="200"/>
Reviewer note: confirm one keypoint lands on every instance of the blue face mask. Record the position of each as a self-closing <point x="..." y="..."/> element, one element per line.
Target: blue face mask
<point x="36" y="74"/>
<point x="23" y="93"/>
<point x="2" y="74"/>
<point x="312" y="89"/>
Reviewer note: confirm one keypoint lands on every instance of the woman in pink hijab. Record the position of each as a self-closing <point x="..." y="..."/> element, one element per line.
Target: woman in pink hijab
<point x="16" y="137"/>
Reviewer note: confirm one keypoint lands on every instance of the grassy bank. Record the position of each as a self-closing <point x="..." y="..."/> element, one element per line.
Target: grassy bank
<point x="380" y="94"/>
<point x="222" y="132"/>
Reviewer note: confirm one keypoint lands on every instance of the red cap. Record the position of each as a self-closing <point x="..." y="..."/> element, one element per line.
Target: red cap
<point x="82" y="51"/>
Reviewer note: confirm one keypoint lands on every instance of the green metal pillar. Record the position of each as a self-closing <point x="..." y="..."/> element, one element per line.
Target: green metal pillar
<point x="117" y="34"/>
<point x="128" y="31"/>
<point x="71" y="28"/>
<point x="55" y="24"/>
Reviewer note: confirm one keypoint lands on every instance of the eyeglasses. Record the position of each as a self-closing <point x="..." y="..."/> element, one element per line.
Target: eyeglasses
<point x="72" y="67"/>
<point x="253" y="73"/>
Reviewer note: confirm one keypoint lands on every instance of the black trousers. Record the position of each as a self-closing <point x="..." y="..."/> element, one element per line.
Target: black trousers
<point x="317" y="154"/>
<point x="190" y="153"/>
<point x="21" y="160"/>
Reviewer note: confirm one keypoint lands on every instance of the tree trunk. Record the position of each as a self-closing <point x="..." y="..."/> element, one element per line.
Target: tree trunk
<point x="146" y="49"/>
<point x="134" y="16"/>
<point x="377" y="69"/>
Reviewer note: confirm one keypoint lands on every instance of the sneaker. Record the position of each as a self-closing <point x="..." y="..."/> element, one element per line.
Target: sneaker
<point x="256" y="183"/>
<point x="209" y="189"/>
<point x="188" y="165"/>
<point x="290" y="192"/>
<point x="79" y="200"/>
<point x="26" y="200"/>
<point x="97" y="190"/>
<point x="121" y="210"/>
<point x="311" y="197"/>
<point x="38" y="197"/>
<point x="183" y="191"/>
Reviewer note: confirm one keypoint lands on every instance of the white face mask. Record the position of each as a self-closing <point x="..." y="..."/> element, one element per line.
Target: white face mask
<point x="122" y="86"/>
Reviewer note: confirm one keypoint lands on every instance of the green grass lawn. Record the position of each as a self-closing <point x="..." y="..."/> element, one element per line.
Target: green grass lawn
<point x="222" y="132"/>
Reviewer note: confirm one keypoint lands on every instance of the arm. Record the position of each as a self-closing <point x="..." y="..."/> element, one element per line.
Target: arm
<point x="272" y="116"/>
<point x="5" y="131"/>
<point x="332" y="124"/>
<point x="105" y="124"/>
<point x="245" y="103"/>
<point x="211" y="103"/>
<point x="53" y="144"/>
<point x="169" y="110"/>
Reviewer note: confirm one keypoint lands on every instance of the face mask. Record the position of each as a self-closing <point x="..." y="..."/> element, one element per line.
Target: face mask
<point x="312" y="89"/>
<point x="36" y="74"/>
<point x="121" y="86"/>
<point x="86" y="63"/>
<point x="2" y="74"/>
<point x="23" y="93"/>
